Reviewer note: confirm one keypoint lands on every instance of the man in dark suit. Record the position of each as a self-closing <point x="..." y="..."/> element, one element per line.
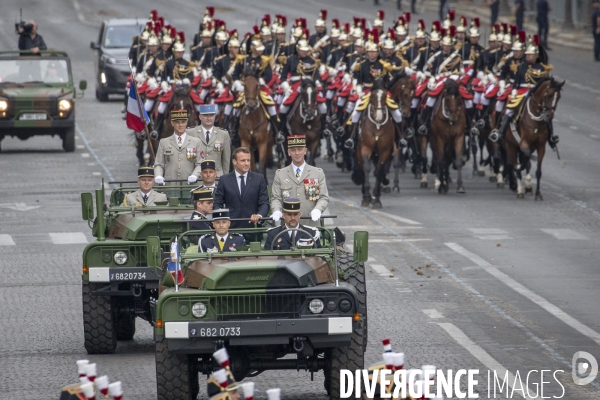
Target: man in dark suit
<point x="291" y="216"/>
<point x="222" y="240"/>
<point x="243" y="192"/>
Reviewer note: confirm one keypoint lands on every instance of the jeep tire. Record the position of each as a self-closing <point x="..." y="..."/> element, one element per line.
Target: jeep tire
<point x="101" y="96"/>
<point x="98" y="328"/>
<point x="124" y="320"/>
<point x="176" y="375"/>
<point x="68" y="140"/>
<point x="349" y="357"/>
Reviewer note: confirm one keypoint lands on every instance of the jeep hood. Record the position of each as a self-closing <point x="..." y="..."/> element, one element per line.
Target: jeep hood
<point x="144" y="224"/>
<point x="34" y="91"/>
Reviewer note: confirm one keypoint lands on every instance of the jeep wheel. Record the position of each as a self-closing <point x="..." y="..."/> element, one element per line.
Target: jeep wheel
<point x="102" y="97"/>
<point x="176" y="376"/>
<point x="69" y="140"/>
<point x="124" y="319"/>
<point x="98" y="328"/>
<point x="353" y="356"/>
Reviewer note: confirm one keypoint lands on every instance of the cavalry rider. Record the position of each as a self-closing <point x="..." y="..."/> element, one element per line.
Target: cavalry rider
<point x="446" y="64"/>
<point x="427" y="52"/>
<point x="203" y="46"/>
<point x="146" y="59"/>
<point x="139" y="44"/>
<point x="378" y="24"/>
<point x="473" y="49"/>
<point x="529" y="74"/>
<point x="211" y="55"/>
<point x="413" y="52"/>
<point x="164" y="55"/>
<point x="319" y="40"/>
<point x="204" y="25"/>
<point x="365" y="73"/>
<point x="347" y="96"/>
<point x="223" y="72"/>
<point x="487" y="88"/>
<point x="266" y="37"/>
<point x="301" y="65"/>
<point x="262" y="64"/>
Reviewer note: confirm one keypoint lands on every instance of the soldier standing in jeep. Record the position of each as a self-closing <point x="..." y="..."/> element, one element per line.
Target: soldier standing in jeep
<point x="29" y="39"/>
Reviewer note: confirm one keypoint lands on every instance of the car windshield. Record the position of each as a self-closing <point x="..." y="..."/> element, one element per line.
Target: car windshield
<point x="34" y="70"/>
<point x="120" y="35"/>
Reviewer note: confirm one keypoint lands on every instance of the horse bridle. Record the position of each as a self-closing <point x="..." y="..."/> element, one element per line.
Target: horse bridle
<point x="251" y="109"/>
<point x="387" y="114"/>
<point x="312" y="113"/>
<point x="541" y="106"/>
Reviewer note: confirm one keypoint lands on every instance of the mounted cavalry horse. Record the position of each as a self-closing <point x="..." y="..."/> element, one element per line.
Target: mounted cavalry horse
<point x="402" y="90"/>
<point x="376" y="142"/>
<point x="304" y="117"/>
<point x="532" y="130"/>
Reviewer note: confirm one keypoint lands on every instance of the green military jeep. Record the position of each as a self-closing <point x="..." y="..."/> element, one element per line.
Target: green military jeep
<point x="298" y="309"/>
<point x="117" y="284"/>
<point x="37" y="96"/>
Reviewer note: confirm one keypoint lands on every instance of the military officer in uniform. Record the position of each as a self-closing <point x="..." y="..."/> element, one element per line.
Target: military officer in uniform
<point x="209" y="175"/>
<point x="294" y="237"/>
<point x="222" y="240"/>
<point x="203" y="205"/>
<point x="145" y="196"/>
<point x="215" y="143"/>
<point x="178" y="156"/>
<point x="300" y="180"/>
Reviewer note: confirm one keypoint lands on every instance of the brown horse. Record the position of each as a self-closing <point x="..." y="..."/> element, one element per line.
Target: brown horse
<point x="402" y="90"/>
<point x="375" y="144"/>
<point x="532" y="134"/>
<point x="254" y="125"/>
<point x="447" y="135"/>
<point x="304" y="118"/>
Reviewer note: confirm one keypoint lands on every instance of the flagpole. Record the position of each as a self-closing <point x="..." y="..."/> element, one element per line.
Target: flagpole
<point x="141" y="109"/>
<point x="177" y="254"/>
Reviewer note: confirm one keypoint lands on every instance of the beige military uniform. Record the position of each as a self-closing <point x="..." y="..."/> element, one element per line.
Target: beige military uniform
<point x="310" y="188"/>
<point x="136" y="199"/>
<point x="177" y="163"/>
<point x="218" y="148"/>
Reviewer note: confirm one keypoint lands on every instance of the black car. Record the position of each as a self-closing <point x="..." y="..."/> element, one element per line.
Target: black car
<point x="112" y="62"/>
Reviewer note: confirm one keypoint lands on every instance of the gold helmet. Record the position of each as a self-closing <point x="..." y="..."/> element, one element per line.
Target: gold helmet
<point x="508" y="35"/>
<point x="371" y="46"/>
<point x="494" y="35"/>
<point x="447" y="40"/>
<point x="256" y="45"/>
<point x="166" y="39"/>
<point x="233" y="40"/>
<point x="153" y="41"/>
<point x="379" y="20"/>
<point x="462" y="25"/>
<point x="401" y="30"/>
<point x="222" y="36"/>
<point x="420" y="33"/>
<point x="533" y="46"/>
<point x="434" y="36"/>
<point x="321" y="21"/>
<point x="145" y="35"/>
<point x="298" y="31"/>
<point x="343" y="37"/>
<point x="449" y="21"/>
<point x="389" y="44"/>
<point x="519" y="44"/>
<point x="265" y="31"/>
<point x="474" y="31"/>
<point x="303" y="45"/>
<point x="335" y="33"/>
<point x="359" y="43"/>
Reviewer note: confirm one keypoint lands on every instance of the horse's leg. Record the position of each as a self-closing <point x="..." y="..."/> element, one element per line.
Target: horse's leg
<point x="437" y="149"/>
<point x="263" y="155"/>
<point x="473" y="143"/>
<point x="366" y="188"/>
<point x="458" y="162"/>
<point x="511" y="162"/>
<point x="424" y="162"/>
<point x="380" y="171"/>
<point x="396" y="164"/>
<point x="541" y="151"/>
<point x="482" y="161"/>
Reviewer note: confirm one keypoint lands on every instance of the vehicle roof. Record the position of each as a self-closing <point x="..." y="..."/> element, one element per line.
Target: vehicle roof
<point x="125" y="21"/>
<point x="11" y="54"/>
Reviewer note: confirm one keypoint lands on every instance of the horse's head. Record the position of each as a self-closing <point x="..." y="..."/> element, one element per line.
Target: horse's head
<point x="251" y="91"/>
<point x="405" y="94"/>
<point x="452" y="102"/>
<point x="182" y="88"/>
<point x="378" y="102"/>
<point x="308" y="95"/>
<point x="550" y="95"/>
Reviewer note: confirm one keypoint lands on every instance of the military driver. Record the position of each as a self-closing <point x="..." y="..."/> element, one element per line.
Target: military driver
<point x="221" y="240"/>
<point x="295" y="236"/>
<point x="145" y="196"/>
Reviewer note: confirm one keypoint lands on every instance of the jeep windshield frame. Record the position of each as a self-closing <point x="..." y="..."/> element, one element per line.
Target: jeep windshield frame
<point x="48" y="68"/>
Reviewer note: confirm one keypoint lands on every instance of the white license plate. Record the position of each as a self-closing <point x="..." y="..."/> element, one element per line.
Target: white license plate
<point x="218" y="332"/>
<point x="32" y="117"/>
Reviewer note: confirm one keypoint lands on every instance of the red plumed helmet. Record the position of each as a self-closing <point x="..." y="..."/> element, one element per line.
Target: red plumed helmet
<point x="463" y="21"/>
<point x="477" y="22"/>
<point x="437" y="25"/>
<point x="513" y="30"/>
<point x="283" y="20"/>
<point x="355" y="21"/>
<point x="452" y="14"/>
<point x="363" y="21"/>
<point x="522" y="37"/>
<point x="211" y="11"/>
<point x="256" y="29"/>
<point x="267" y="19"/>
<point x="247" y="35"/>
<point x="173" y="33"/>
<point x="401" y="20"/>
<point x="452" y="30"/>
<point x="209" y="26"/>
<point x="162" y="22"/>
<point x="375" y="34"/>
<point x="347" y="27"/>
<point x="381" y="14"/>
<point x="536" y="40"/>
<point x="324" y="15"/>
<point x="421" y="25"/>
<point x="181" y="36"/>
<point x="335" y="23"/>
<point x="496" y="28"/>
<point x="153" y="15"/>
<point x="443" y="32"/>
<point x="407" y="17"/>
<point x="156" y="29"/>
<point x="392" y="34"/>
<point x="232" y="33"/>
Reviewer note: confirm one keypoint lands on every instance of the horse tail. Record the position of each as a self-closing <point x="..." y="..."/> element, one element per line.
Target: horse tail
<point x="358" y="176"/>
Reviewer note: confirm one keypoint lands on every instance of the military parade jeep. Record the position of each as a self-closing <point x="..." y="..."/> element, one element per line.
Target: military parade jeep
<point x="117" y="284"/>
<point x="303" y="308"/>
<point x="37" y="96"/>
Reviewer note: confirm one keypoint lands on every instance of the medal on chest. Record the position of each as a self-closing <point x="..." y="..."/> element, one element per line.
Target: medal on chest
<point x="311" y="188"/>
<point x="191" y="153"/>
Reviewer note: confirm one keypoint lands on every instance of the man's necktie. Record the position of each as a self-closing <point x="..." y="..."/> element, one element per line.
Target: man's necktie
<point x="179" y="143"/>
<point x="207" y="136"/>
<point x="145" y="197"/>
<point x="221" y="243"/>
<point x="294" y="238"/>
<point x="242" y="185"/>
<point x="298" y="172"/>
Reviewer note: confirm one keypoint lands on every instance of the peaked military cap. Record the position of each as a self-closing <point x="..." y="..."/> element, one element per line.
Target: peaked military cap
<point x="179" y="115"/>
<point x="208" y="109"/>
<point x="221" y="213"/>
<point x="203" y="194"/>
<point x="296" y="141"/>
<point x="208" y="164"/>
<point x="145" y="171"/>
<point x="291" y="205"/>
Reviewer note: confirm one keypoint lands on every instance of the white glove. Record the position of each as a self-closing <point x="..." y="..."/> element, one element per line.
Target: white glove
<point x="159" y="180"/>
<point x="164" y="86"/>
<point x="315" y="214"/>
<point x="285" y="86"/>
<point x="192" y="179"/>
<point x="261" y="81"/>
<point x="513" y="93"/>
<point x="276" y="215"/>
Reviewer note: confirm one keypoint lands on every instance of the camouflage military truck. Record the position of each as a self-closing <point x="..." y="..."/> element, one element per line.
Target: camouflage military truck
<point x="37" y="96"/>
<point x="117" y="284"/>
<point x="298" y="309"/>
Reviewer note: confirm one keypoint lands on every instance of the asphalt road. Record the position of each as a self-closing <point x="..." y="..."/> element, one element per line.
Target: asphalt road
<point x="474" y="281"/>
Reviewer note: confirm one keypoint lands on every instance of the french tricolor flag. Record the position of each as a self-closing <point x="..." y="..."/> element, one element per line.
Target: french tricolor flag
<point x="134" y="120"/>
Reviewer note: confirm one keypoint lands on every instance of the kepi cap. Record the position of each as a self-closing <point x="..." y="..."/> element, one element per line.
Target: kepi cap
<point x="203" y="194"/>
<point x="296" y="141"/>
<point x="208" y="164"/>
<point x="145" y="171"/>
<point x="179" y="115"/>
<point x="291" y="205"/>
<point x="221" y="213"/>
<point x="208" y="109"/>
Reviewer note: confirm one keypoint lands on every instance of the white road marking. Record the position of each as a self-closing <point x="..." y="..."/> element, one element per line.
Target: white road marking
<point x="490" y="233"/>
<point x="6" y="240"/>
<point x="381" y="269"/>
<point x="96" y="173"/>
<point x="479" y="353"/>
<point x="433" y="313"/>
<point x="398" y="240"/>
<point x="537" y="299"/>
<point x="565" y="234"/>
<point x="594" y="136"/>
<point x="68" y="238"/>
<point x="85" y="155"/>
<point x="396" y="217"/>
<point x="573" y="127"/>
<point x="404" y="290"/>
<point x="91" y="164"/>
<point x="80" y="146"/>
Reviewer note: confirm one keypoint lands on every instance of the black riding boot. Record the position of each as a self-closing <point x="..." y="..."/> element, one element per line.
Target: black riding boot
<point x="402" y="141"/>
<point x="552" y="138"/>
<point x="155" y="134"/>
<point x="471" y="121"/>
<point x="279" y="138"/>
<point x="324" y="126"/>
<point x="349" y="143"/>
<point x="497" y="134"/>
<point x="425" y="118"/>
<point x="410" y="124"/>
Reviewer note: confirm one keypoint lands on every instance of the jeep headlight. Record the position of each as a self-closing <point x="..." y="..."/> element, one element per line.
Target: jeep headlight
<point x="64" y="105"/>
<point x="3" y="105"/>
<point x="316" y="306"/>
<point x="199" y="310"/>
<point x="120" y="257"/>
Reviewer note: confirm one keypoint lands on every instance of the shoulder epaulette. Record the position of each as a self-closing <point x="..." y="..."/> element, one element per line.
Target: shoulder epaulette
<point x="220" y="57"/>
